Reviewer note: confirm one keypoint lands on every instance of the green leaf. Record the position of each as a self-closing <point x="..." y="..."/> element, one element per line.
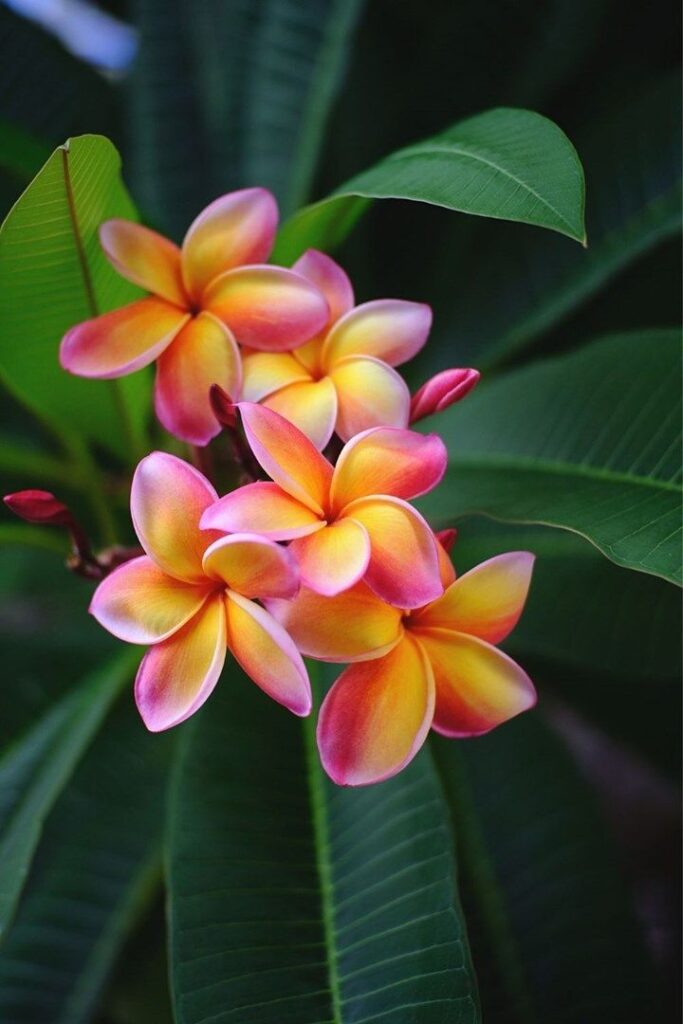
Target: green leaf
<point x="293" y="900"/>
<point x="587" y="442"/>
<point x="36" y="768"/>
<point x="506" y="164"/>
<point x="97" y="866"/>
<point x="553" y="932"/>
<point x="54" y="274"/>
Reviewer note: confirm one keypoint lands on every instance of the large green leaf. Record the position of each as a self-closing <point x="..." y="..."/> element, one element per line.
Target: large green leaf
<point x="292" y="900"/>
<point x="507" y="164"/>
<point x="96" y="867"/>
<point x="588" y="442"/>
<point x="553" y="934"/>
<point x="54" y="274"/>
<point x="244" y="89"/>
<point x="34" y="770"/>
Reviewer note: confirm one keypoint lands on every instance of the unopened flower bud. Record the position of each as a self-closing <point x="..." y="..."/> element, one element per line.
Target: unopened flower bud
<point x="38" y="507"/>
<point x="447" y="538"/>
<point x="442" y="390"/>
<point x="223" y="407"/>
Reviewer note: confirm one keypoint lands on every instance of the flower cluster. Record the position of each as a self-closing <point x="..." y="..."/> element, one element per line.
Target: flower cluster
<point x="320" y="553"/>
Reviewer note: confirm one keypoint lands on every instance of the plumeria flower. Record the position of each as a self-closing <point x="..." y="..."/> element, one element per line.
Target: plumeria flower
<point x="435" y="667"/>
<point x="342" y="380"/>
<point x="192" y="595"/>
<point x="344" y="523"/>
<point x="211" y="292"/>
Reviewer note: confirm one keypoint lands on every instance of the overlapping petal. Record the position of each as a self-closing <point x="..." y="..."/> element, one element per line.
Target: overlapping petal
<point x="376" y="716"/>
<point x="334" y="558"/>
<point x="141" y="604"/>
<point x="235" y="229"/>
<point x="477" y="686"/>
<point x="311" y="406"/>
<point x="177" y="675"/>
<point x="122" y="341"/>
<point x="204" y="353"/>
<point x="262" y="508"/>
<point x="252" y="566"/>
<point x="392" y="330"/>
<point x="267" y="653"/>
<point x="267" y="308"/>
<point x="287" y="456"/>
<point x="145" y="258"/>
<point x="167" y="500"/>
<point x="329" y="277"/>
<point x="266" y="372"/>
<point x="353" y="626"/>
<point x="370" y="394"/>
<point x="404" y="565"/>
<point x="487" y="601"/>
<point x="388" y="461"/>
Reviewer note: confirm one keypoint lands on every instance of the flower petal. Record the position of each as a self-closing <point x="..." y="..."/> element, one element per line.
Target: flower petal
<point x="235" y="229"/>
<point x="477" y="686"/>
<point x="204" y="353"/>
<point x="353" y="626"/>
<point x="376" y="716"/>
<point x="446" y="570"/>
<point x="487" y="601"/>
<point x="388" y="329"/>
<point x="329" y="277"/>
<point x="265" y="372"/>
<point x="141" y="604"/>
<point x="262" y="508"/>
<point x="387" y="461"/>
<point x="370" y="394"/>
<point x="287" y="456"/>
<point x="252" y="566"/>
<point x="310" y="406"/>
<point x="167" y="499"/>
<point x="122" y="341"/>
<point x="177" y="675"/>
<point x="267" y="308"/>
<point x="333" y="559"/>
<point x="145" y="258"/>
<point x="267" y="654"/>
<point x="404" y="565"/>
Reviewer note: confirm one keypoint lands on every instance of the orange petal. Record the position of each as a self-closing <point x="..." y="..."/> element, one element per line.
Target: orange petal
<point x="329" y="277"/>
<point x="353" y="626"/>
<point x="167" y="499"/>
<point x="310" y="406"/>
<point x="334" y="558"/>
<point x="265" y="372"/>
<point x="267" y="653"/>
<point x="377" y="716"/>
<point x="287" y="456"/>
<point x="122" y="341"/>
<point x="404" y="566"/>
<point x="145" y="258"/>
<point x="204" y="353"/>
<point x="262" y="508"/>
<point x="387" y="461"/>
<point x="235" y="229"/>
<point x="477" y="686"/>
<point x="388" y="329"/>
<point x="487" y="601"/>
<point x="253" y="566"/>
<point x="370" y="394"/>
<point x="176" y="676"/>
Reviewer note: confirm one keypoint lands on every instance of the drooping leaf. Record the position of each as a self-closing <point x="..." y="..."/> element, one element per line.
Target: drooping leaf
<point x="35" y="769"/>
<point x="294" y="901"/>
<point x="96" y="867"/>
<point x="507" y="164"/>
<point x="54" y="274"/>
<point x="554" y="936"/>
<point x="587" y="442"/>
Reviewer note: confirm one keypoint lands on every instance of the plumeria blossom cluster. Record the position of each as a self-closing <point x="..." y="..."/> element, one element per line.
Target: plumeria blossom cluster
<point x="320" y="552"/>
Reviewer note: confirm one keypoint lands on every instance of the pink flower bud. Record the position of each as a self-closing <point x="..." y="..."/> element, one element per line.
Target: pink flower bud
<point x="443" y="390"/>
<point x="223" y="407"/>
<point x="38" y="507"/>
<point x="447" y="538"/>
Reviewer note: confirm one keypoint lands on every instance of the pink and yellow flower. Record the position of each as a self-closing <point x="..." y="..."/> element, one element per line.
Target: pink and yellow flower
<point x="435" y="667"/>
<point x="191" y="596"/>
<point x="345" y="523"/>
<point x="343" y="379"/>
<point x="206" y="295"/>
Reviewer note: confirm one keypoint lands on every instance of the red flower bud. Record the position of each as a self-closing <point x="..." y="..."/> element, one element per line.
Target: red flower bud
<point x="38" y="507"/>
<point x="447" y="538"/>
<point x="223" y="407"/>
<point x="443" y="390"/>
